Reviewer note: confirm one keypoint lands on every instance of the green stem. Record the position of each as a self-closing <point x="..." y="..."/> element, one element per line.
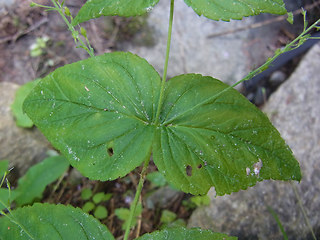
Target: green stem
<point x="74" y="32"/>
<point x="303" y="211"/>
<point x="137" y="196"/>
<point x="164" y="77"/>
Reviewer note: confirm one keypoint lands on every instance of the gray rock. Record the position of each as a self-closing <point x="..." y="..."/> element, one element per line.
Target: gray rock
<point x="295" y="111"/>
<point x="22" y="147"/>
<point x="191" y="50"/>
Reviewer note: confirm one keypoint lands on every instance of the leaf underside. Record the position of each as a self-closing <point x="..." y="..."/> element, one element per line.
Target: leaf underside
<point x="185" y="234"/>
<point x="124" y="8"/>
<point x="47" y="221"/>
<point x="235" y="9"/>
<point x="100" y="113"/>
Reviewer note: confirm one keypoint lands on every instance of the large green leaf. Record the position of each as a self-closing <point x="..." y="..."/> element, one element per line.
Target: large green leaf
<point x="185" y="234"/>
<point x="125" y="8"/>
<point x="6" y="197"/>
<point x="97" y="112"/>
<point x="34" y="182"/>
<point x="100" y="113"/>
<point x="46" y="222"/>
<point x="235" y="9"/>
<point x="203" y="143"/>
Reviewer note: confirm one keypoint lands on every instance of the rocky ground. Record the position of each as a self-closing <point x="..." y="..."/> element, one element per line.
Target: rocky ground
<point x="227" y="51"/>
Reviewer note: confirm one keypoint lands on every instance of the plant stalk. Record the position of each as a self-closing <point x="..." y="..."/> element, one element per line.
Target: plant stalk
<point x="137" y="196"/>
<point x="164" y="77"/>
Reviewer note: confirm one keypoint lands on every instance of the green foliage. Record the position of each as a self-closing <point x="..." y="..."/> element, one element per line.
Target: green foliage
<point x="96" y="8"/>
<point x="100" y="113"/>
<point x="235" y="9"/>
<point x="167" y="216"/>
<point x="46" y="221"/>
<point x="157" y="179"/>
<point x="88" y="207"/>
<point x="22" y="120"/>
<point x="6" y="198"/>
<point x="100" y="212"/>
<point x="198" y="201"/>
<point x="185" y="234"/>
<point x="124" y="213"/>
<point x="98" y="197"/>
<point x="4" y="164"/>
<point x="86" y="194"/>
<point x="34" y="182"/>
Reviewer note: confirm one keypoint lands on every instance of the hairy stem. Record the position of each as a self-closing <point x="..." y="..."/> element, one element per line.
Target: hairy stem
<point x="74" y="32"/>
<point x="137" y="196"/>
<point x="164" y="77"/>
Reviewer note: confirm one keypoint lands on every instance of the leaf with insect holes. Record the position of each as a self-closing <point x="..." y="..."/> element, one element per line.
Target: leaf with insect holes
<point x="124" y="8"/>
<point x="100" y="113"/>
<point x="47" y="221"/>
<point x="235" y="9"/>
<point x="208" y="137"/>
<point x="182" y="233"/>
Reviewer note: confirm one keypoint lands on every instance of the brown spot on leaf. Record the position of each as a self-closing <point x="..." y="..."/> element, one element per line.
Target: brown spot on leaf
<point x="110" y="151"/>
<point x="189" y="170"/>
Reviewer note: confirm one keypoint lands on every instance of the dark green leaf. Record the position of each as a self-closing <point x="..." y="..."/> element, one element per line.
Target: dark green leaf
<point x="100" y="113"/>
<point x="33" y="183"/>
<point x="222" y="140"/>
<point x="22" y="120"/>
<point x="46" y="221"/>
<point x="97" y="112"/>
<point x="125" y="8"/>
<point x="235" y="9"/>
<point x="185" y="234"/>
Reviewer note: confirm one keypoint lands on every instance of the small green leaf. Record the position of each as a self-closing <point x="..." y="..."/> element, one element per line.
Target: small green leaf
<point x="157" y="179"/>
<point x="96" y="8"/>
<point x="98" y="111"/>
<point x="290" y="17"/>
<point x="107" y="196"/>
<point x="7" y="197"/>
<point x="33" y="183"/>
<point x="4" y="164"/>
<point x="86" y="193"/>
<point x="100" y="212"/>
<point x="124" y="213"/>
<point x="200" y="200"/>
<point x="167" y="216"/>
<point x="88" y="207"/>
<point x="185" y="234"/>
<point x="98" y="197"/>
<point x="22" y="120"/>
<point x="235" y="9"/>
<point x="46" y="221"/>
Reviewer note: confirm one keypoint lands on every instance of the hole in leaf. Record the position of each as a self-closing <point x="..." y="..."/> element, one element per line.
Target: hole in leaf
<point x="110" y="151"/>
<point x="200" y="166"/>
<point x="189" y="170"/>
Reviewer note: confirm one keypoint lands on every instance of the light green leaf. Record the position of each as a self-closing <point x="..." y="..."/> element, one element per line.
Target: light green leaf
<point x="124" y="213"/>
<point x="46" y="221"/>
<point x="185" y="234"/>
<point x="125" y="8"/>
<point x="7" y="197"/>
<point x="22" y="119"/>
<point x="100" y="113"/>
<point x="222" y="140"/>
<point x="98" y="197"/>
<point x="97" y="112"/>
<point x="4" y="164"/>
<point x="34" y="182"/>
<point x="157" y="179"/>
<point x="167" y="216"/>
<point x="86" y="194"/>
<point x="235" y="9"/>
<point x="101" y="212"/>
<point x="88" y="207"/>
